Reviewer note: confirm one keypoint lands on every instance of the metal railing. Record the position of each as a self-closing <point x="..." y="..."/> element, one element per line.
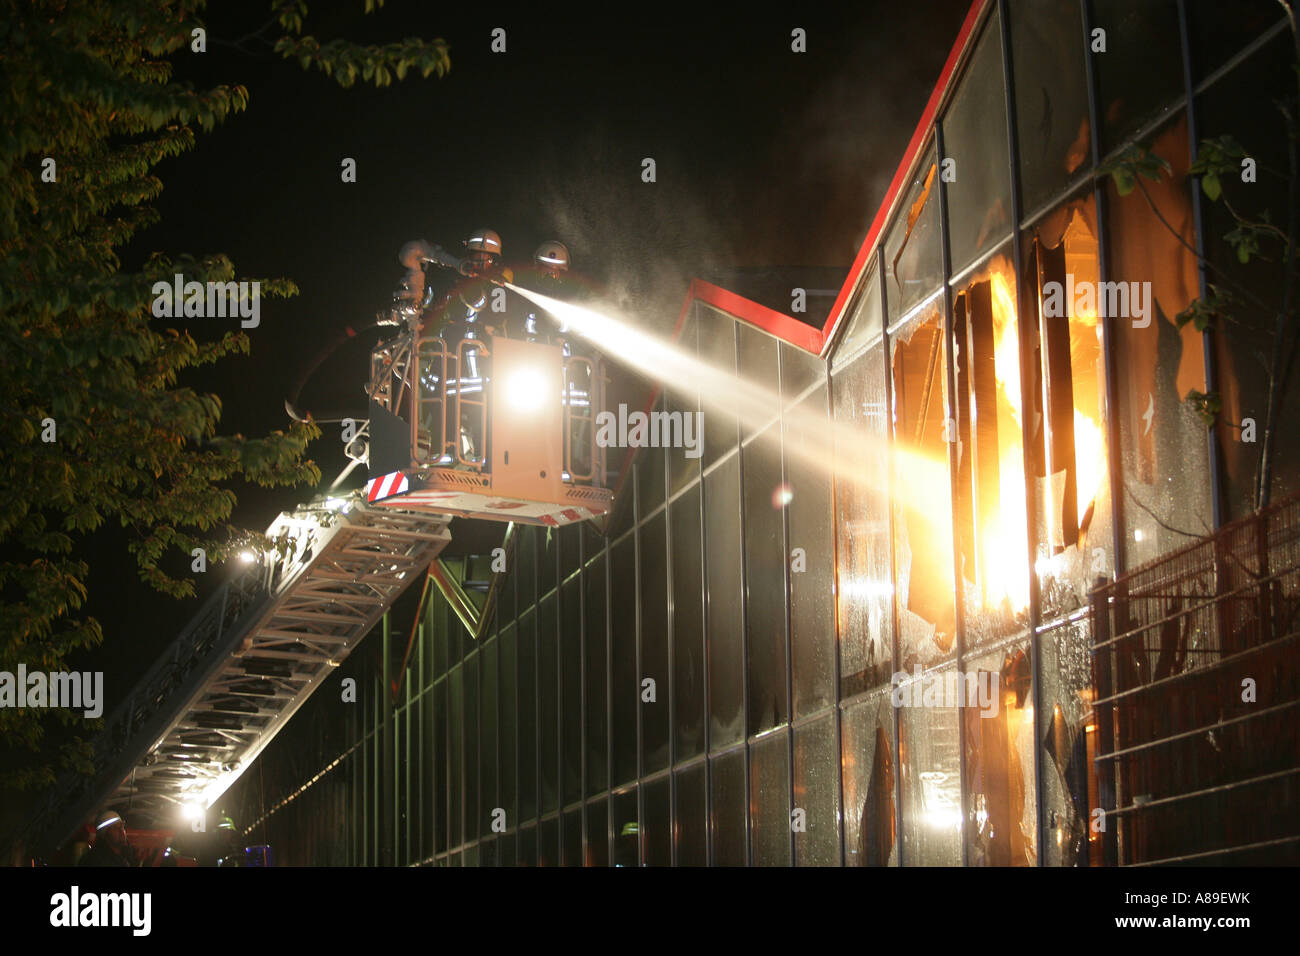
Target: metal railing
<point x="1196" y="682"/>
<point x="584" y="458"/>
<point x="452" y="400"/>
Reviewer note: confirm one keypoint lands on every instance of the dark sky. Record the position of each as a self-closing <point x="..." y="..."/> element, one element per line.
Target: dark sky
<point x="764" y="157"/>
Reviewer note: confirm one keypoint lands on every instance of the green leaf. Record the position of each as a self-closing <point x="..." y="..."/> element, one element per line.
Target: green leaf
<point x="1210" y="184"/>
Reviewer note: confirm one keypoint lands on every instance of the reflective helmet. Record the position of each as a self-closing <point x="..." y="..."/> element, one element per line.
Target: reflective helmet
<point x="552" y="256"/>
<point x="484" y="241"/>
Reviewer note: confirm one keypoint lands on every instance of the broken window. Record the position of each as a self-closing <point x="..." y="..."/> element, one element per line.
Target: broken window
<point x="922" y="492"/>
<point x="1067" y="433"/>
<point x="990" y="494"/>
<point x="913" y="266"/>
<point x="1001" y="823"/>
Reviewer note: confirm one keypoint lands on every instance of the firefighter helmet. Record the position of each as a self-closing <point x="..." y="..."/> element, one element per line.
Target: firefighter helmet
<point x="484" y="241"/>
<point x="552" y="256"/>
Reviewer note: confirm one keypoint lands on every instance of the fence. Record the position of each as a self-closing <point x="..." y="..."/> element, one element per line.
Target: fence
<point x="1196" y="674"/>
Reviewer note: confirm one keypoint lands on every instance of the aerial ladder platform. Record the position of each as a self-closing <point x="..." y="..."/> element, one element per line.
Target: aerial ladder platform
<point x="475" y="424"/>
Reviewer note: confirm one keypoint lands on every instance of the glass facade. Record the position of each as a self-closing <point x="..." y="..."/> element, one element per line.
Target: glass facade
<point x="740" y="672"/>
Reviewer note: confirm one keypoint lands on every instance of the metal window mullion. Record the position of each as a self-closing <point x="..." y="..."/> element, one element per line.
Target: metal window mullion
<point x="895" y="759"/>
<point x="705" y="600"/>
<point x="609" y="696"/>
<point x="536" y="676"/>
<point x="406" y="777"/>
<point x="559" y="697"/>
<point x="1031" y="503"/>
<point x="954" y="470"/>
<point x="670" y="612"/>
<point x="513" y="820"/>
<point x="787" y="583"/>
<point x="739" y="504"/>
<point x="829" y="381"/>
<point x="420" y="795"/>
<point x="1110" y="370"/>
<point x="636" y="623"/>
<point x="583" y="571"/>
<point x="1209" y="358"/>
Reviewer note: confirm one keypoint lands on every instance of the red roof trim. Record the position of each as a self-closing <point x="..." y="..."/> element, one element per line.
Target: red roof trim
<point x="903" y="174"/>
<point x="791" y="330"/>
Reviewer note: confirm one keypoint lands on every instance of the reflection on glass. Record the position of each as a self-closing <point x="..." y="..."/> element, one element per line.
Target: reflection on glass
<point x="1001" y="822"/>
<point x="769" y="800"/>
<point x="923" y="538"/>
<point x="913" y="267"/>
<point x="1165" y="465"/>
<point x="990" y="496"/>
<point x="812" y="590"/>
<point x="931" y="770"/>
<point x="869" y="774"/>
<point x="977" y="170"/>
<point x="817" y="792"/>
<point x="1055" y="138"/>
<point x="1072" y="526"/>
<point x="1141" y="71"/>
<point x="863" y="325"/>
<point x="725" y="648"/>
<point x="690" y="826"/>
<point x="727" y="822"/>
<point x="865" y="592"/>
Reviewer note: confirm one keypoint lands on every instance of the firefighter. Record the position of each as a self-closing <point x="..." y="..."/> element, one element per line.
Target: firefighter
<point x="232" y="854"/>
<point x="111" y="845"/>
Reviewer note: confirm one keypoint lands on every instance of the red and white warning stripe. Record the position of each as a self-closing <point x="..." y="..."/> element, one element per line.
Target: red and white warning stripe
<point x="386" y="486"/>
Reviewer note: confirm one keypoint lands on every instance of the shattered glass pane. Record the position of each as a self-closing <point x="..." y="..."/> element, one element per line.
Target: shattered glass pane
<point x="1001" y="823"/>
<point x="870" y="770"/>
<point x="913" y="267"/>
<point x="923" y="534"/>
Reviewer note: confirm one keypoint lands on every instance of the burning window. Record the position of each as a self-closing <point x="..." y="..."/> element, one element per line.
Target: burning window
<point x="1067" y="447"/>
<point x="922" y="491"/>
<point x="990" y="497"/>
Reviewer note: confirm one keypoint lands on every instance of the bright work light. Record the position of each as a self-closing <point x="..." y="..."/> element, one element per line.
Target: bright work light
<point x="525" y="390"/>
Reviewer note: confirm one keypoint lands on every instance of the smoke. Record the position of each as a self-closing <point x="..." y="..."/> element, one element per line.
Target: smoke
<point x="642" y="241"/>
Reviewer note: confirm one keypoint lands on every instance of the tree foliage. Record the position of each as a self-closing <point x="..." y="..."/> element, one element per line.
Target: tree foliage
<point x="89" y="86"/>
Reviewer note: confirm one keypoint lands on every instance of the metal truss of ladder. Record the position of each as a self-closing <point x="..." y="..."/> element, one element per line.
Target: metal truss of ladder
<point x="247" y="661"/>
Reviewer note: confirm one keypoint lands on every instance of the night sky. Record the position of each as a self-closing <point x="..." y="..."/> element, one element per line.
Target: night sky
<point x="764" y="158"/>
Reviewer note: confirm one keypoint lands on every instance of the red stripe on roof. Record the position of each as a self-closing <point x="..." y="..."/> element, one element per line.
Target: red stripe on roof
<point x="791" y="330"/>
<point x="903" y="173"/>
<point x="785" y="328"/>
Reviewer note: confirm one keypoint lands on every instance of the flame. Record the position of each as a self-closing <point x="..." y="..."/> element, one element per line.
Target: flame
<point x="1089" y="459"/>
<point x="1003" y="537"/>
<point x="1089" y="446"/>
